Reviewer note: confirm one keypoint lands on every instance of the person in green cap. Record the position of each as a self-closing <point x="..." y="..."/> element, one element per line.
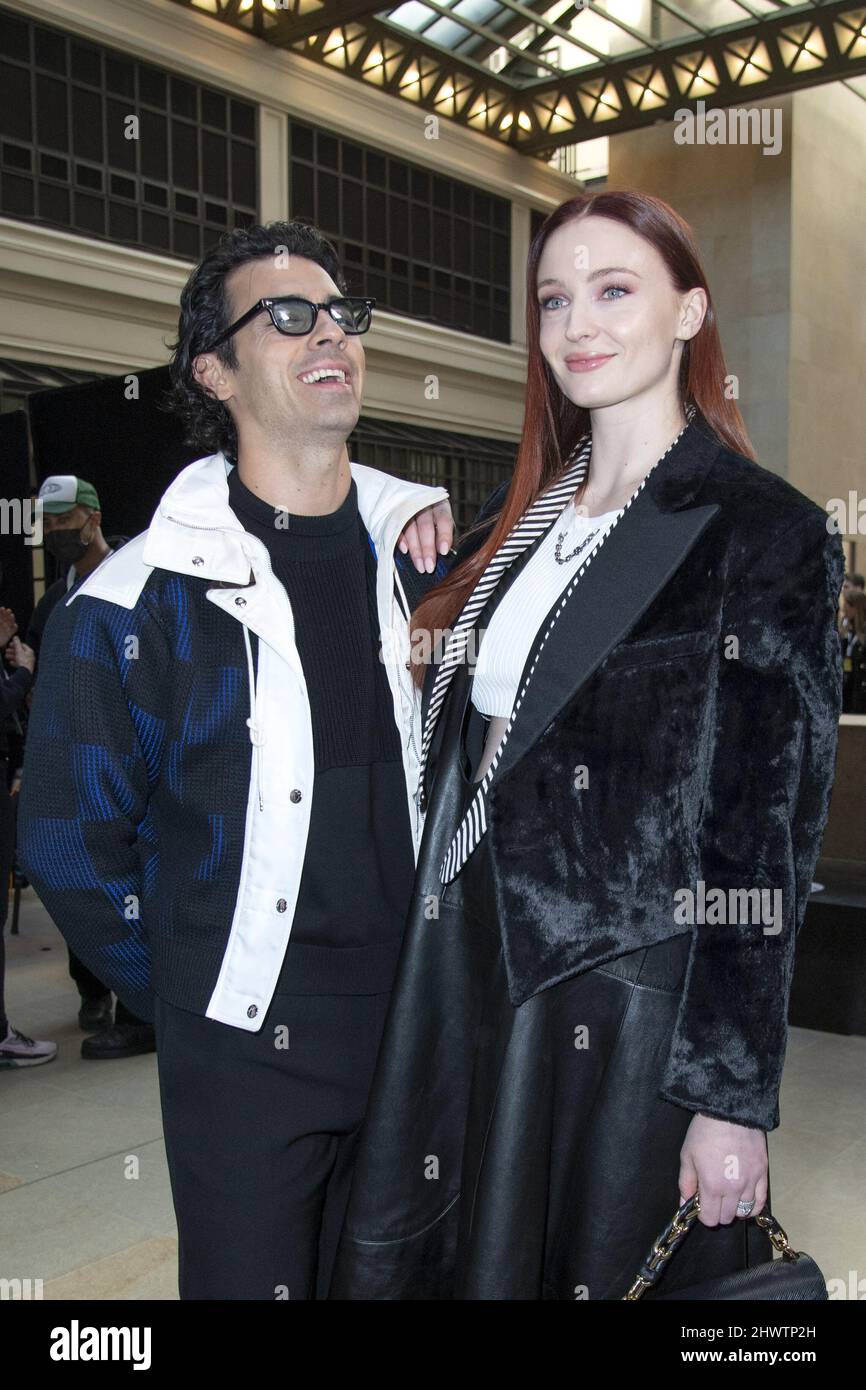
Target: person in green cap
<point x="72" y="533"/>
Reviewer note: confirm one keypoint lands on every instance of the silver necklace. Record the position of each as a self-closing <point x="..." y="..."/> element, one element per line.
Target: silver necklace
<point x="564" y="559"/>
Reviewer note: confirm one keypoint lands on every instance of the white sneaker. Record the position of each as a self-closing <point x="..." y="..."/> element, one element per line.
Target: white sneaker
<point x="17" y="1050"/>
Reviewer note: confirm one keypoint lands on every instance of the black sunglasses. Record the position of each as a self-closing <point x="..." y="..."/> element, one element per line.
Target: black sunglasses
<point x="294" y="316"/>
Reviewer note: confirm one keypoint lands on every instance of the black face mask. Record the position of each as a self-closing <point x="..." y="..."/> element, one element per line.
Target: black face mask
<point x="66" y="544"/>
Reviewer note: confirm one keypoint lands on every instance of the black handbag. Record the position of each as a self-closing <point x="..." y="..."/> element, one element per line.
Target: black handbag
<point x="795" y="1275"/>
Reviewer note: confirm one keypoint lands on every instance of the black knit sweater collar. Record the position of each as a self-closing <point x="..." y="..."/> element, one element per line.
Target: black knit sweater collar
<point x="290" y="532"/>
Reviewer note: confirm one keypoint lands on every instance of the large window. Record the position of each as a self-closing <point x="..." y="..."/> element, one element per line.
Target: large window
<point x="170" y="179"/>
<point x="471" y="467"/>
<point x="424" y="245"/>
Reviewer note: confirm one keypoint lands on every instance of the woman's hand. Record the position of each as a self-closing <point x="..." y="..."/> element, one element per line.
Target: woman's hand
<point x="431" y="528"/>
<point x="725" y="1162"/>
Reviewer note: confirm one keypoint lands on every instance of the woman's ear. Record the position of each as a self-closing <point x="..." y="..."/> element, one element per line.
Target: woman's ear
<point x="693" y="308"/>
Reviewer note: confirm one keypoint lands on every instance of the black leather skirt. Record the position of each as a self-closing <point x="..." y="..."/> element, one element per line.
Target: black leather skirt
<point x="518" y="1153"/>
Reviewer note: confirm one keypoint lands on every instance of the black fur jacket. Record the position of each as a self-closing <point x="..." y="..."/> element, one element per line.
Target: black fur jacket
<point x="671" y="765"/>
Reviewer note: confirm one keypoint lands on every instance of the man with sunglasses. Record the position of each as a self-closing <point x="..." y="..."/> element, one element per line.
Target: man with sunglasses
<point x="220" y="774"/>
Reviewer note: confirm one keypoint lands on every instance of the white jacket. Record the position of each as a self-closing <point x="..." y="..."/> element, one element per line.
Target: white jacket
<point x="195" y="532"/>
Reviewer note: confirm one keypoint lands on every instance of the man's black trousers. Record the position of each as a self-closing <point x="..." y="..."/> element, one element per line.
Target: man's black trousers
<point x="260" y="1135"/>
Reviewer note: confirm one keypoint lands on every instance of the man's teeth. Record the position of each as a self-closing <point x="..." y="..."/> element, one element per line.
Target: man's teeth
<point x="323" y="375"/>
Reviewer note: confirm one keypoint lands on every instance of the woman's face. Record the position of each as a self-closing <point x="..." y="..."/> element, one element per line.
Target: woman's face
<point x="611" y="322"/>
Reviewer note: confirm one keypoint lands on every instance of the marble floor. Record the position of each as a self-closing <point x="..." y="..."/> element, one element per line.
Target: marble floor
<point x="85" y="1202"/>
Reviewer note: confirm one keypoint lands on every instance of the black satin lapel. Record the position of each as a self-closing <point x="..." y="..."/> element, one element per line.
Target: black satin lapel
<point x="645" y="548"/>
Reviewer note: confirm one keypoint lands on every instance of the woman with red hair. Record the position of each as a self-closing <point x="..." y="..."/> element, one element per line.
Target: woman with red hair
<point x="630" y="694"/>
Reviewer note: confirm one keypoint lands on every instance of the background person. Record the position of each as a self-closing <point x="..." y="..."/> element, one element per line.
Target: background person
<point x="72" y="533"/>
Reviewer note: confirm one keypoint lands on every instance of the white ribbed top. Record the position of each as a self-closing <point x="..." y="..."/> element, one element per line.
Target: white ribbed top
<point x="507" y="641"/>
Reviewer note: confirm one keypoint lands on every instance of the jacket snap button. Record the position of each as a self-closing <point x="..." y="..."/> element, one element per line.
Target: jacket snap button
<point x="295" y="795"/>
<point x="197" y="560"/>
<point x="281" y="904"/>
<point x="252" y="1011"/>
<point x="241" y="602"/>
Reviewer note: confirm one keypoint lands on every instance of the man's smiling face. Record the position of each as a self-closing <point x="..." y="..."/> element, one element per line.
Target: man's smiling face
<point x="270" y="392"/>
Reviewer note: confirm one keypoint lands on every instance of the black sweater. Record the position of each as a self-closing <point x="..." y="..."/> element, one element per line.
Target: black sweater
<point x="359" y="865"/>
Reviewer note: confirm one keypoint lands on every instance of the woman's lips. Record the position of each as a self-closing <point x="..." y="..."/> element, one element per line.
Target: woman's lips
<point x="587" y="364"/>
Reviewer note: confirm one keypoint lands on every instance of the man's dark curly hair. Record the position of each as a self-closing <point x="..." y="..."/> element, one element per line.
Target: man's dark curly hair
<point x="204" y="314"/>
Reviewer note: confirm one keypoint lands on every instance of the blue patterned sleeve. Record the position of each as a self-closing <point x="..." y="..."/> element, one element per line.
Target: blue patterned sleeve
<point x="93" y="754"/>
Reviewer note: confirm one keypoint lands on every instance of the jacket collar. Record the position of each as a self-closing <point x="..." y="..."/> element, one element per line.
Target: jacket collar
<point x="676" y="482"/>
<point x="194" y="530"/>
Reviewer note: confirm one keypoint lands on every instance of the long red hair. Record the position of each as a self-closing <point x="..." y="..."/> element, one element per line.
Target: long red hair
<point x="552" y="424"/>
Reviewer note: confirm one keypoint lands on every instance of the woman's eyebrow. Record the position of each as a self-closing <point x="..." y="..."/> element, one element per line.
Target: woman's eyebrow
<point x="606" y="270"/>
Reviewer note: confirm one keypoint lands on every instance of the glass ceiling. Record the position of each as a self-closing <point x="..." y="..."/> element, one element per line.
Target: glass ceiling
<point x="526" y="42"/>
<point x="540" y="75"/>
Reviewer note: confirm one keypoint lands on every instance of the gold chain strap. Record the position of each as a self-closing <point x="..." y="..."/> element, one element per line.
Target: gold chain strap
<point x="680" y="1226"/>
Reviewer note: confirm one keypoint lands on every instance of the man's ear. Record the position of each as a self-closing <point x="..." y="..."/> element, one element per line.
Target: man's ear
<point x="212" y="375"/>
